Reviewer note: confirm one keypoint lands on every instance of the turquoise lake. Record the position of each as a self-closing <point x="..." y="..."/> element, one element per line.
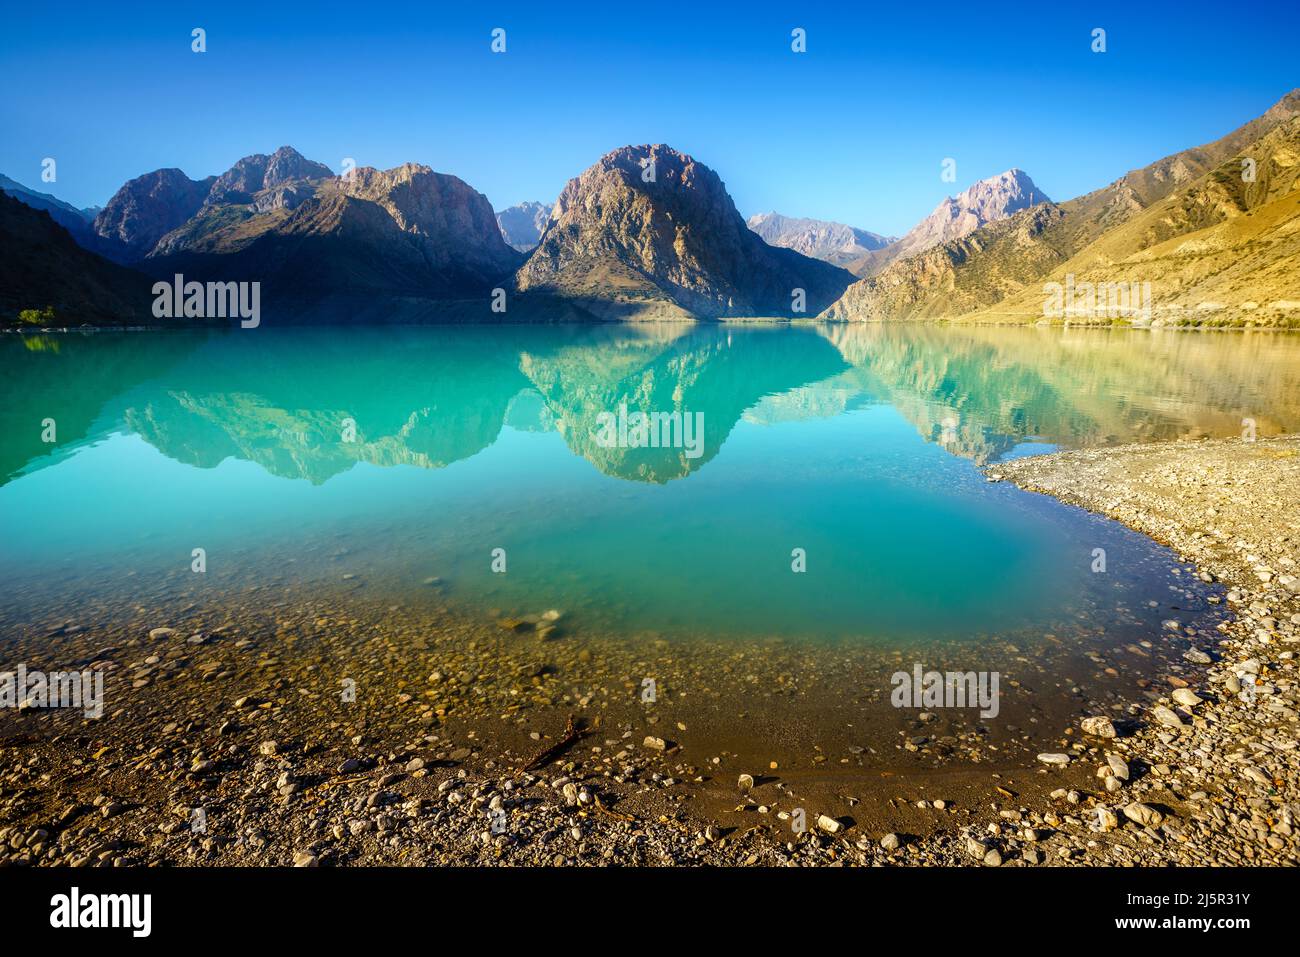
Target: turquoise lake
<point x="399" y="460"/>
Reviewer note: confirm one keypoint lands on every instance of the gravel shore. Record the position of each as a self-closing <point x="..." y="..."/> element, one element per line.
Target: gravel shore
<point x="224" y="748"/>
<point x="1218" y="758"/>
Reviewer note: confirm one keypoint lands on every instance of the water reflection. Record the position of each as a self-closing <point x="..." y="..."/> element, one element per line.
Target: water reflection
<point x="432" y="396"/>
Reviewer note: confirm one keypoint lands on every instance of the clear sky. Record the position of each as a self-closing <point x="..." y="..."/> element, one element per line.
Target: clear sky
<point x="855" y="129"/>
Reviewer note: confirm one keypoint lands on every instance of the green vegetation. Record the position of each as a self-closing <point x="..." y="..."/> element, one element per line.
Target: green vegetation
<point x="37" y="317"/>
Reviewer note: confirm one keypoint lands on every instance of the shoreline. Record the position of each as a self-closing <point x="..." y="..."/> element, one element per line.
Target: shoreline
<point x="275" y="792"/>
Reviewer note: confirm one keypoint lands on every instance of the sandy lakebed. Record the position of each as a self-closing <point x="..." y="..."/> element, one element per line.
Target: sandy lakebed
<point x="224" y="742"/>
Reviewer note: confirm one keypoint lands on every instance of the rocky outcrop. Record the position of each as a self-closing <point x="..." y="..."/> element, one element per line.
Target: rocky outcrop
<point x="830" y="242"/>
<point x="523" y="225"/>
<point x="147" y="208"/>
<point x="649" y="232"/>
<point x="253" y="174"/>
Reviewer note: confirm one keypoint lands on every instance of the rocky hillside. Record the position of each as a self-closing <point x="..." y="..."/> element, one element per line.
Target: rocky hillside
<point x="959" y="275"/>
<point x="407" y="232"/>
<point x="998" y="272"/>
<point x="830" y="242"/>
<point x="648" y="232"/>
<point x="523" y="225"/>
<point x="253" y="174"/>
<point x="1219" y="250"/>
<point x="987" y="201"/>
<point x="280" y="219"/>
<point x="147" y="208"/>
<point x="42" y="266"/>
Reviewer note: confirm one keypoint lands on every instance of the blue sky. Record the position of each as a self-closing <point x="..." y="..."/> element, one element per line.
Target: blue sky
<point x="855" y="129"/>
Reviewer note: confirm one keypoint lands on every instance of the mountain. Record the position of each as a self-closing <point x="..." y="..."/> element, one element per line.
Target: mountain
<point x="404" y="234"/>
<point x="649" y="232"/>
<point x="830" y="242"/>
<point x="987" y="201"/>
<point x="1219" y="250"/>
<point x="41" y="265"/>
<point x="957" y="276"/>
<point x="75" y="221"/>
<point x="253" y="174"/>
<point x="523" y="225"/>
<point x="1151" y="219"/>
<point x="147" y="208"/>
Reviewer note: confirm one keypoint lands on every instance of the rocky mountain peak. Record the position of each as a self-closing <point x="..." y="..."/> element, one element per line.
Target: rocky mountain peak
<point x="430" y="204"/>
<point x="984" y="202"/>
<point x="148" y="207"/>
<point x="522" y="225"/>
<point x="649" y="230"/>
<point x="252" y="174"/>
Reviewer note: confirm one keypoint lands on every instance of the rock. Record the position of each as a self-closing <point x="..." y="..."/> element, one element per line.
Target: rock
<point x="268" y="749"/>
<point x="1106" y="819"/>
<point x="157" y="633"/>
<point x="992" y="858"/>
<point x="1100" y="727"/>
<point x="1056" y="759"/>
<point x="655" y="744"/>
<point x="829" y="824"/>
<point x="1166" y="717"/>
<point x="1186" y="696"/>
<point x="1256" y="775"/>
<point x="1143" y="814"/>
<point x="1196" y="656"/>
<point x="975" y="849"/>
<point x="746" y="782"/>
<point x="891" y="842"/>
<point x="1118" y="766"/>
<point x="305" y="859"/>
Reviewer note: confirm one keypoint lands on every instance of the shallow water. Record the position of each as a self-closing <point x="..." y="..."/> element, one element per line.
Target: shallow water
<point x="858" y="445"/>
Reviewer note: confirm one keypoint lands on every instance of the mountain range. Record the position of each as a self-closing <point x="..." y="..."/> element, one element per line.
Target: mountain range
<point x="832" y="242"/>
<point x="1212" y="233"/>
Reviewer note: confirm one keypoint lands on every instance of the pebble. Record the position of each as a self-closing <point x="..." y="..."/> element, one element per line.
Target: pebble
<point x="828" y="824"/>
<point x="1101" y="727"/>
<point x="1143" y="814"/>
<point x="1166" y="717"/>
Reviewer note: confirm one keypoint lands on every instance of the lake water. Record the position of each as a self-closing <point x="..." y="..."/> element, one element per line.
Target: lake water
<point x="381" y="459"/>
